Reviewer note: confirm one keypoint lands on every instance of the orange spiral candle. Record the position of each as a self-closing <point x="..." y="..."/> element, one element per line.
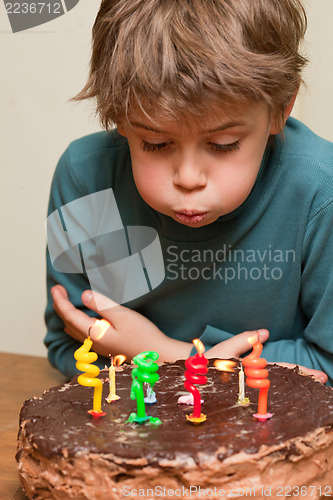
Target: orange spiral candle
<point x="257" y="378"/>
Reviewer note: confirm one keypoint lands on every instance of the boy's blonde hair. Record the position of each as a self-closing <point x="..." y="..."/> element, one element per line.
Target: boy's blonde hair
<point x="168" y="58"/>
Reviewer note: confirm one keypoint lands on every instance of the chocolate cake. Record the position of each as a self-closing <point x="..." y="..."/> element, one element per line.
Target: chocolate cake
<point x="63" y="453"/>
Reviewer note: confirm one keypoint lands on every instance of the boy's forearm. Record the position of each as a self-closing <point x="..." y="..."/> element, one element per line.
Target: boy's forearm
<point x="173" y="349"/>
<point x="168" y="349"/>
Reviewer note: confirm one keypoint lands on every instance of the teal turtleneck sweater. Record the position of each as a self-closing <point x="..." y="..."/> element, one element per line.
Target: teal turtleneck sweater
<point x="268" y="264"/>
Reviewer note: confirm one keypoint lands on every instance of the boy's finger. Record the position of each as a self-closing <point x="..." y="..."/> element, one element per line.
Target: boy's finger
<point x="105" y="307"/>
<point x="61" y="301"/>
<point x="59" y="290"/>
<point x="243" y="342"/>
<point x="308" y="371"/>
<point x="98" y="302"/>
<point x="263" y="335"/>
<point x="68" y="312"/>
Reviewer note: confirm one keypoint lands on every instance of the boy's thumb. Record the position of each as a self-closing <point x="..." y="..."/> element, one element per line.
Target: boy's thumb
<point x="263" y="335"/>
<point x="243" y="342"/>
<point x="97" y="302"/>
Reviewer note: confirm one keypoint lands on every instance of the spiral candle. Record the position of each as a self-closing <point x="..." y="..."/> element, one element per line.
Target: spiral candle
<point x="196" y="374"/>
<point x="146" y="371"/>
<point x="257" y="378"/>
<point x="84" y="359"/>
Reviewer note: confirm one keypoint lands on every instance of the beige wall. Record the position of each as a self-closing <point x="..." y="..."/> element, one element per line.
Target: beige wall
<point x="41" y="69"/>
<point x="315" y="103"/>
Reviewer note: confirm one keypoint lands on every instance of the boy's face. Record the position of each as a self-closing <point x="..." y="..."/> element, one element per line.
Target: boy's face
<point x="196" y="172"/>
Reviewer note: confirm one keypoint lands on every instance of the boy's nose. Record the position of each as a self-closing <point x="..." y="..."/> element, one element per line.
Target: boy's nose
<point x="190" y="176"/>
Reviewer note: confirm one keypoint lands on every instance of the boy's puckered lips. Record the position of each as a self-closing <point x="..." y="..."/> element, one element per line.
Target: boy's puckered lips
<point x="191" y="216"/>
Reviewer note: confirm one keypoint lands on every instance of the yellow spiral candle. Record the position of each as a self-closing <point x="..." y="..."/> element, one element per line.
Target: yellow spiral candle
<point x="84" y="358"/>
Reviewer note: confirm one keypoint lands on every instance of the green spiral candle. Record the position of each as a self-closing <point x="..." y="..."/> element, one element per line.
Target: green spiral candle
<point x="145" y="371"/>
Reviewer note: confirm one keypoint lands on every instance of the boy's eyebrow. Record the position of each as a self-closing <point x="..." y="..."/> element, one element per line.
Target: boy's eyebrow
<point x="225" y="126"/>
<point x="217" y="129"/>
<point x="146" y="127"/>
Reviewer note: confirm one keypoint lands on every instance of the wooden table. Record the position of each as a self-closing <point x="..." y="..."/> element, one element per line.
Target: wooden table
<point x="22" y="377"/>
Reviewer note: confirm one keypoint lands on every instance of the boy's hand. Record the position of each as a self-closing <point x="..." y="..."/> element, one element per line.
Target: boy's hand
<point x="129" y="333"/>
<point x="243" y="342"/>
<point x="308" y="371"/>
<point x="237" y="345"/>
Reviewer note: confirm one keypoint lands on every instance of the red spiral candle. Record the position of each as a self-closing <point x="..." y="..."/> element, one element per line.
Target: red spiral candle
<point x="196" y="374"/>
<point x="257" y="378"/>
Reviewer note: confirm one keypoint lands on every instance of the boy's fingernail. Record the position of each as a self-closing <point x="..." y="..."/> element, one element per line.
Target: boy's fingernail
<point x="262" y="333"/>
<point x="87" y="297"/>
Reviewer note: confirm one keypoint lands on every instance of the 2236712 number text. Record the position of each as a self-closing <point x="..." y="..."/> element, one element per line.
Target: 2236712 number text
<point x="303" y="491"/>
<point x="33" y="8"/>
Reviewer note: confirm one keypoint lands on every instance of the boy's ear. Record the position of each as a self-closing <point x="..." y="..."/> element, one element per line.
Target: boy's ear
<point x="275" y="129"/>
<point x="121" y="130"/>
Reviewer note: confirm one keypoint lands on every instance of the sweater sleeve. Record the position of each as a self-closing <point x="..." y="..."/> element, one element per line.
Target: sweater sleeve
<point x="315" y="348"/>
<point x="60" y="345"/>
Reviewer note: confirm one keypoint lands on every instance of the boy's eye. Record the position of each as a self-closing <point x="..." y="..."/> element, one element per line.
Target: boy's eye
<point x="224" y="148"/>
<point x="150" y="147"/>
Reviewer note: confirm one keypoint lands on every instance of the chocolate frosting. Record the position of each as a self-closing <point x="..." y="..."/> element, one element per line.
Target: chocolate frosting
<point x="58" y="422"/>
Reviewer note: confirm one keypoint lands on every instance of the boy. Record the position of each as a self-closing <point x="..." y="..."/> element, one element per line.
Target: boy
<point x="240" y="200"/>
